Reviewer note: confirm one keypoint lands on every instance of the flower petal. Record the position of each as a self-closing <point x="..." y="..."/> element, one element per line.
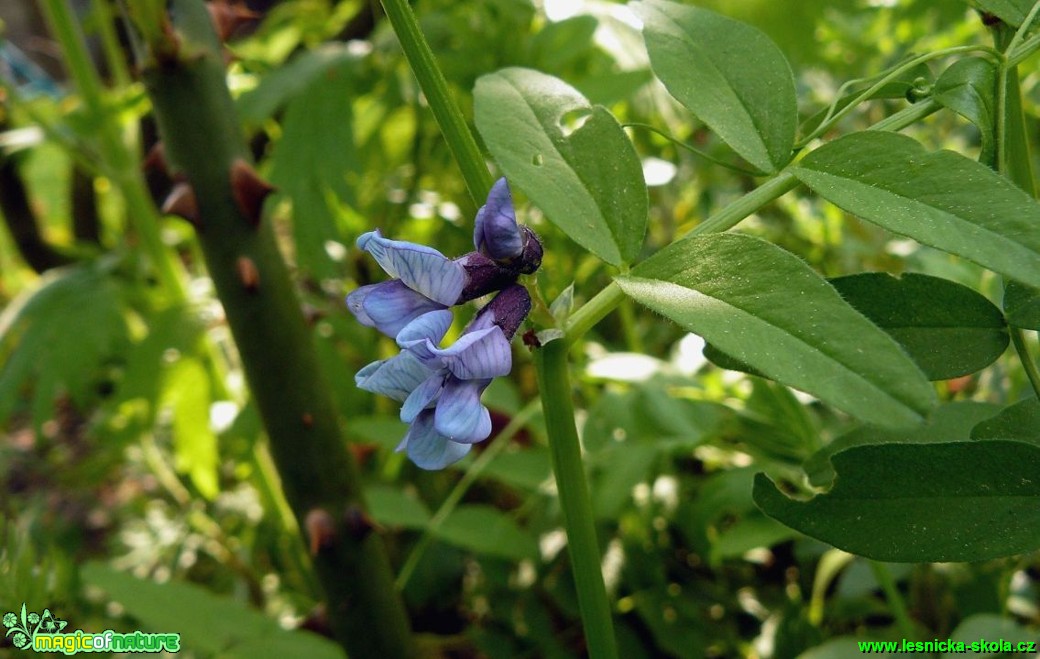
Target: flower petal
<point x="421" y="397"/>
<point x="460" y="416"/>
<point x="495" y="232"/>
<point x="389" y="306"/>
<point x="427" y="329"/>
<point x="396" y="377"/>
<point x="483" y="353"/>
<point x="427" y="448"/>
<point x="421" y="268"/>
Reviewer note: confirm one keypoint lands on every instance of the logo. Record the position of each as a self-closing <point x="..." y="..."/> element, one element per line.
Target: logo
<point x="42" y="632"/>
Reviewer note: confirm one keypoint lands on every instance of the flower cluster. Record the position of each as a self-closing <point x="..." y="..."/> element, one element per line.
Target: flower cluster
<point x="440" y="388"/>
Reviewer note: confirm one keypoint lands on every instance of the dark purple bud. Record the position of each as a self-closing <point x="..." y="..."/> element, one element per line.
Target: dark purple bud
<point x="531" y="256"/>
<point x="483" y="276"/>
<point x="508" y="310"/>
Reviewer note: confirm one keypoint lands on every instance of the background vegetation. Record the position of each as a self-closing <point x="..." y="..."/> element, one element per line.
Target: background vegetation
<point x="140" y="491"/>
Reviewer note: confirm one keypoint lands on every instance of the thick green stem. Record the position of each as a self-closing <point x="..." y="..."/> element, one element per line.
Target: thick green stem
<point x="445" y="110"/>
<point x="582" y="547"/>
<point x="202" y="136"/>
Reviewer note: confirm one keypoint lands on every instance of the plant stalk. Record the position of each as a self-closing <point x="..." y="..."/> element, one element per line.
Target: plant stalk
<point x="582" y="547"/>
<point x="450" y="119"/>
<point x="203" y="139"/>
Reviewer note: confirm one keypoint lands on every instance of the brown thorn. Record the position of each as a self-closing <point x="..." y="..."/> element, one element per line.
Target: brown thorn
<point x="359" y="524"/>
<point x="228" y="16"/>
<point x="249" y="190"/>
<point x="308" y="420"/>
<point x="181" y="202"/>
<point x="155" y="159"/>
<point x="321" y="531"/>
<point x="247" y="273"/>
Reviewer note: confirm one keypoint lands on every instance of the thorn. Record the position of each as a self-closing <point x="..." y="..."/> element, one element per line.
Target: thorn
<point x="359" y="524"/>
<point x="308" y="420"/>
<point x="229" y="15"/>
<point x="530" y="339"/>
<point x="155" y="159"/>
<point x="321" y="531"/>
<point x="249" y="190"/>
<point x="181" y="202"/>
<point x="247" y="273"/>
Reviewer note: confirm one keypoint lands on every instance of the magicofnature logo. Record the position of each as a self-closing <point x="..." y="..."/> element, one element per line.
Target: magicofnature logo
<point x="43" y="633"/>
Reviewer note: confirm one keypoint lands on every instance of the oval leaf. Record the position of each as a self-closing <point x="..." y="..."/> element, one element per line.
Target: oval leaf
<point x="1022" y="305"/>
<point x="940" y="199"/>
<point x="1020" y="421"/>
<point x="948" y="329"/>
<point x="765" y="307"/>
<point x="968" y="88"/>
<point x="955" y="501"/>
<point x="588" y="180"/>
<point x="727" y="73"/>
<point x="486" y="530"/>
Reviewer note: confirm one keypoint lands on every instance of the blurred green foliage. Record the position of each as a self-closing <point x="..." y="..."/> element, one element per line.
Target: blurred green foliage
<point x="129" y="441"/>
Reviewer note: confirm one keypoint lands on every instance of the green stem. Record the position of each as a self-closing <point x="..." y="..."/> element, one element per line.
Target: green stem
<point x="126" y="175"/>
<point x="1028" y="363"/>
<point x="894" y="598"/>
<point x="203" y="137"/>
<point x="445" y="110"/>
<point x="554" y="385"/>
<point x="500" y="443"/>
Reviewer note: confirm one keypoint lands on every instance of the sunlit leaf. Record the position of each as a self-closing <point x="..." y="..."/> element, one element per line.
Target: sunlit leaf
<point x="767" y="308"/>
<point x="587" y="178"/>
<point x="727" y="73"/>
<point x="940" y="199"/>
<point x="56" y="339"/>
<point x="187" y="394"/>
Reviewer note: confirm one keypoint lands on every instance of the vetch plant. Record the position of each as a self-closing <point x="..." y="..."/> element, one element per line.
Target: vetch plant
<point x="440" y="388"/>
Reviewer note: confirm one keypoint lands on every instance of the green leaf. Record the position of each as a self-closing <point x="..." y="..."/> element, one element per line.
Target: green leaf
<point x="1020" y="421"/>
<point x="768" y="309"/>
<point x="1022" y="305"/>
<point x="187" y="394"/>
<point x="1012" y="12"/>
<point x="727" y="73"/>
<point x="940" y="199"/>
<point x="56" y="339"/>
<point x="968" y="87"/>
<point x="948" y="329"/>
<point x="487" y="530"/>
<point x="313" y="161"/>
<point x="528" y="468"/>
<point x="947" y="423"/>
<point x="207" y="623"/>
<point x="283" y="83"/>
<point x="991" y="627"/>
<point x="956" y="501"/>
<point x="587" y="179"/>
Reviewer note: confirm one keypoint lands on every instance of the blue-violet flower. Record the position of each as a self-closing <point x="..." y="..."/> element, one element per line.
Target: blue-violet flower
<point x="440" y="388"/>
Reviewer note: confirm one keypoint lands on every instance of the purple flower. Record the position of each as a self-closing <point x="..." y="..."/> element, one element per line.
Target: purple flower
<point x="426" y="280"/>
<point x="497" y="236"/>
<point x="440" y="388"/>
